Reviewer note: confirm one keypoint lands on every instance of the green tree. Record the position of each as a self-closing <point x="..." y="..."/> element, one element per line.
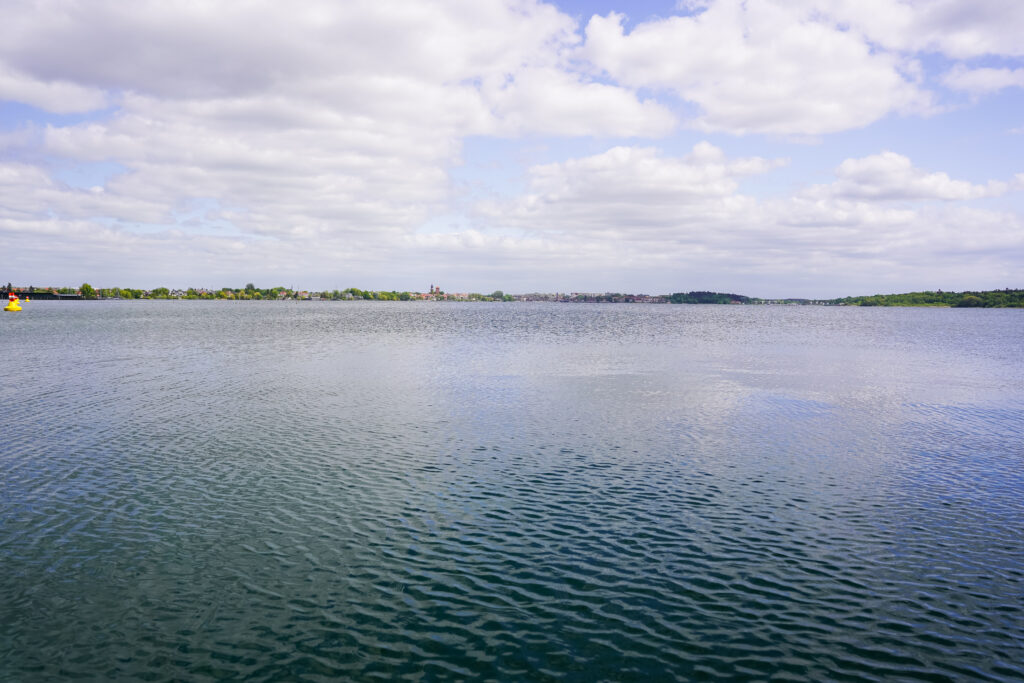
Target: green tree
<point x="970" y="301"/>
<point x="87" y="291"/>
<point x="703" y="297"/>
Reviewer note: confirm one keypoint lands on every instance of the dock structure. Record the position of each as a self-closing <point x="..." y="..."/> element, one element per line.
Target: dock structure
<point x="31" y="293"/>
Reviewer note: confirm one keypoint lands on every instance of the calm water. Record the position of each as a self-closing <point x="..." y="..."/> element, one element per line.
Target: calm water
<point x="312" y="491"/>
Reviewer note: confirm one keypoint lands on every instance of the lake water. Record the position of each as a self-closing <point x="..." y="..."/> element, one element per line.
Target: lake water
<point x="312" y="491"/>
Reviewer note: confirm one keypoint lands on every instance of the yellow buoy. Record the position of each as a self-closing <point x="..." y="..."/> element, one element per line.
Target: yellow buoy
<point x="12" y="305"/>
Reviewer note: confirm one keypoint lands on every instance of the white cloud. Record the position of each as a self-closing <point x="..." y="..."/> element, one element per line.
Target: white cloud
<point x="757" y="67"/>
<point x="956" y="28"/>
<point x="983" y="80"/>
<point x="555" y="102"/>
<point x="313" y="141"/>
<point x="325" y="121"/>
<point x="891" y="176"/>
<point x="223" y="49"/>
<point x="693" y="6"/>
<point x="630" y="193"/>
<point x="629" y="214"/>
<point x="634" y="208"/>
<point x="57" y="96"/>
<point x="27" y="192"/>
<point x="327" y="174"/>
<point x="474" y="66"/>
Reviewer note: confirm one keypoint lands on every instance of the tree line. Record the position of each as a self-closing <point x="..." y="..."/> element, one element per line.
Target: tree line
<point x="996" y="298"/>
<point x="251" y="292"/>
<point x="708" y="298"/>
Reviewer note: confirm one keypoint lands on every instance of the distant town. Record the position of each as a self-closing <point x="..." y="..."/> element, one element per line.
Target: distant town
<point x="999" y="298"/>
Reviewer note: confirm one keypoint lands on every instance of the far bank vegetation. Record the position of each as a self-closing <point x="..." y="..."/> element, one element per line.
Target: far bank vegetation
<point x="997" y="298"/>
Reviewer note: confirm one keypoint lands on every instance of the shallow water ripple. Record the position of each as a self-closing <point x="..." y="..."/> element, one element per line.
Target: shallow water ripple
<point x="280" y="492"/>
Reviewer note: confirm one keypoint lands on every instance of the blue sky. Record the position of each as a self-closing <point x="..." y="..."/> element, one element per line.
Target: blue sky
<point x="800" y="148"/>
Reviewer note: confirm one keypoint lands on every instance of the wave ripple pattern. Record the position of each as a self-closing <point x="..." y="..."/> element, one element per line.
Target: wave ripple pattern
<point x="322" y="491"/>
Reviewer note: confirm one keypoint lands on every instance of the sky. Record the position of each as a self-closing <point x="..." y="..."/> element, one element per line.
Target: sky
<point x="773" y="148"/>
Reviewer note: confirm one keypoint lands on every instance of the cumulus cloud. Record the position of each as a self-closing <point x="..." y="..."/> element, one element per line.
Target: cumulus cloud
<point x="327" y="172"/>
<point x="479" y="67"/>
<point x="230" y="49"/>
<point x="324" y="121"/>
<point x="757" y="68"/>
<point x="57" y="96"/>
<point x="891" y="176"/>
<point x="983" y="80"/>
<point x="806" y="67"/>
<point x="631" y="193"/>
<point x="312" y="139"/>
<point x="28" y="192"/>
<point x="686" y="214"/>
<point x="961" y="30"/>
<point x="555" y="102"/>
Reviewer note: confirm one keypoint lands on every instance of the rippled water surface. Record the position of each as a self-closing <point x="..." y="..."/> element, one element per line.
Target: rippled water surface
<point x="313" y="491"/>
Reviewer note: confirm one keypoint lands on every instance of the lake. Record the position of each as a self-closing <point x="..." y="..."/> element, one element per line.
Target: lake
<point x="310" y="491"/>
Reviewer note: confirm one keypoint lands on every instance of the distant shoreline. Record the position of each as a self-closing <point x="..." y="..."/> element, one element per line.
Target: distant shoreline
<point x="998" y="298"/>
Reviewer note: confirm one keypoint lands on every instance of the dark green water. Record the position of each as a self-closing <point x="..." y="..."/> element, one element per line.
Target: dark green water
<point x="315" y="491"/>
